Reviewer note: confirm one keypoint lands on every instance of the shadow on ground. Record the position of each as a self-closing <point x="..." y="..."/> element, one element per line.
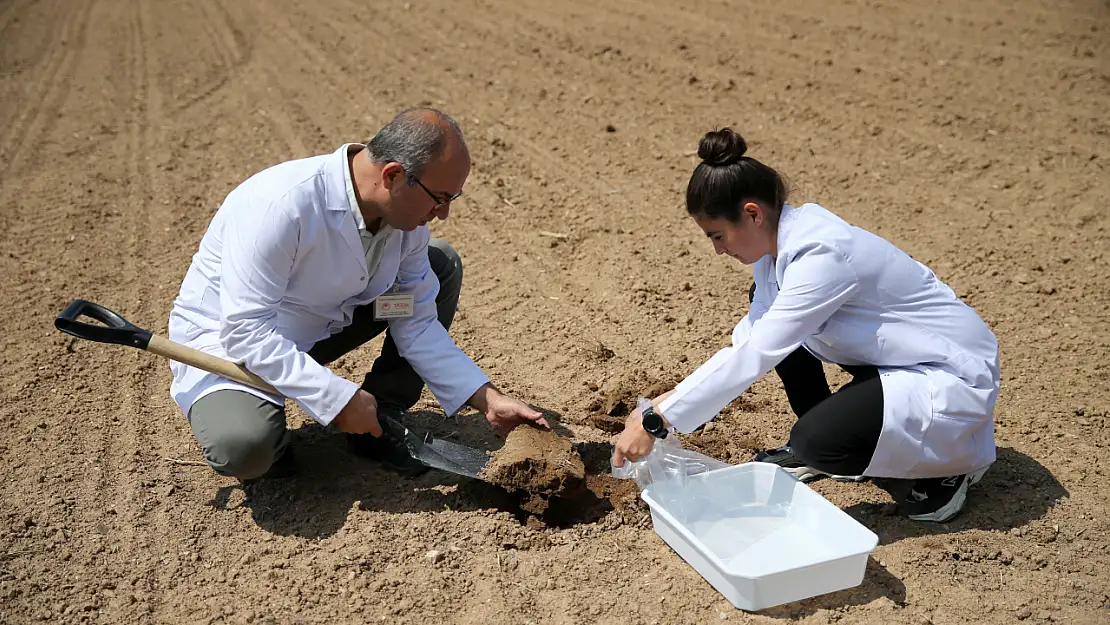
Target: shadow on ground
<point x="877" y="583"/>
<point x="1015" y="491"/>
<point x="330" y="480"/>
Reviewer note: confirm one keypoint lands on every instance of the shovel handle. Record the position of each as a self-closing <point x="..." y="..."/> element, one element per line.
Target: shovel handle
<point x="116" y="329"/>
<point x="120" y="331"/>
<point x="207" y="362"/>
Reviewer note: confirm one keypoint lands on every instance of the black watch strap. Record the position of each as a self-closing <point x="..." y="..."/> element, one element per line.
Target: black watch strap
<point x="653" y="423"/>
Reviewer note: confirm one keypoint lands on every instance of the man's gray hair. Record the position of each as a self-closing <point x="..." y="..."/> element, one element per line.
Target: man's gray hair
<point x="413" y="140"/>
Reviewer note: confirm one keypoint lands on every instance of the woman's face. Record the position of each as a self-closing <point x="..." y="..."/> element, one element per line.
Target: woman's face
<point x="747" y="240"/>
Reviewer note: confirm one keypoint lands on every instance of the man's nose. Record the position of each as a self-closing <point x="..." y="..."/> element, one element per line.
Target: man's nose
<point x="719" y="248"/>
<point x="443" y="211"/>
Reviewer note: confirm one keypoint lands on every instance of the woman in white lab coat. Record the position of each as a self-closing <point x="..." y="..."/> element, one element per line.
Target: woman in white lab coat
<point x="924" y="365"/>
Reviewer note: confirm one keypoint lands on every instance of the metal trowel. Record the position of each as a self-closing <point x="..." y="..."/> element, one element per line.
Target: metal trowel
<point x="433" y="452"/>
<point x="437" y="453"/>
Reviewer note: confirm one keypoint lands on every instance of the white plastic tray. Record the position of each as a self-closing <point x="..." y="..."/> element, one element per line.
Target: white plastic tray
<point x="759" y="536"/>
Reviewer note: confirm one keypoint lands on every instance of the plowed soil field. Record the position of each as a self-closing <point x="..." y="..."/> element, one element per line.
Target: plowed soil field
<point x="972" y="134"/>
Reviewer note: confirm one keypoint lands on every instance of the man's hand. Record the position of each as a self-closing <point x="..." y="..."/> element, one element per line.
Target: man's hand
<point x="360" y="415"/>
<point x="504" y="412"/>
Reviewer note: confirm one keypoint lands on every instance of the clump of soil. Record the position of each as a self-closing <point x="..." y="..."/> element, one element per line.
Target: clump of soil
<point x="618" y="493"/>
<point x="604" y="497"/>
<point x="539" y="462"/>
<point x="618" y="400"/>
<point x="726" y="447"/>
<point x="558" y="483"/>
<point x="599" y="480"/>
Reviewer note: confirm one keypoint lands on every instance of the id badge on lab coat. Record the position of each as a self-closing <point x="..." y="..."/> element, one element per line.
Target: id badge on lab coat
<point x="393" y="306"/>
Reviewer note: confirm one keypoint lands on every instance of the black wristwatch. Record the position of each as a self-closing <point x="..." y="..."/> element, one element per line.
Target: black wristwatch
<point x="653" y="423"/>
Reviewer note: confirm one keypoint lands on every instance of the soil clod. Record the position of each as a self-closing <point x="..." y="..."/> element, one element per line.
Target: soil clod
<point x="536" y="461"/>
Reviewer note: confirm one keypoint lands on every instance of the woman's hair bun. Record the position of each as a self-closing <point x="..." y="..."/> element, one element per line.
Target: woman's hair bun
<point x="721" y="147"/>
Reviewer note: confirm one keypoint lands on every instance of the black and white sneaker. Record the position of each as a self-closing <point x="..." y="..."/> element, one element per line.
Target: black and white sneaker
<point x="784" y="457"/>
<point x="940" y="499"/>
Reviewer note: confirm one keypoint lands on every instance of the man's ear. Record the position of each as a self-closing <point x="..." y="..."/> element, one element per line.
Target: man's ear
<point x="392" y="173"/>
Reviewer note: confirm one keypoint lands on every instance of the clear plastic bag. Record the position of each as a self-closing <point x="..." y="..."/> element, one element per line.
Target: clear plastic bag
<point x="668" y="461"/>
<point x="668" y="468"/>
<point x="732" y="514"/>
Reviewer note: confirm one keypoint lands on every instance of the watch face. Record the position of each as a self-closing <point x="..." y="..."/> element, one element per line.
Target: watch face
<point x="652" y="422"/>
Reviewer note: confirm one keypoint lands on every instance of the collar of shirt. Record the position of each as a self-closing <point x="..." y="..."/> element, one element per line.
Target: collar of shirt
<point x="372" y="243"/>
<point x="786" y="221"/>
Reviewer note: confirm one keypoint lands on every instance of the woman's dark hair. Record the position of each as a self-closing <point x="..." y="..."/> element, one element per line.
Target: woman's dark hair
<point x="725" y="178"/>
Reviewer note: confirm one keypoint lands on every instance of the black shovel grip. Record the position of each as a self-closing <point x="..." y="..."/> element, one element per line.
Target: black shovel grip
<point x="393" y="428"/>
<point x="115" y="330"/>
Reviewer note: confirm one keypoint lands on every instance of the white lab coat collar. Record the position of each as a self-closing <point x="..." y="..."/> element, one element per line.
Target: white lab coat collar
<point x="373" y="243"/>
<point x="337" y="199"/>
<point x="786" y="219"/>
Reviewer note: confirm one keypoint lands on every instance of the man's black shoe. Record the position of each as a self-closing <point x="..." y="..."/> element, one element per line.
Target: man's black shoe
<point x="386" y="449"/>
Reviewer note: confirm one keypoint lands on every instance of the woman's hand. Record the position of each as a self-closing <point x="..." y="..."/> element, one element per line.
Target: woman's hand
<point x="635" y="442"/>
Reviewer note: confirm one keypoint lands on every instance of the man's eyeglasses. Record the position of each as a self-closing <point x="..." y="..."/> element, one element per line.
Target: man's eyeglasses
<point x="440" y="200"/>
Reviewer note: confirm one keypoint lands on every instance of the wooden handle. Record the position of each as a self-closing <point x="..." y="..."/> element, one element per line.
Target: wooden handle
<point x="207" y="362"/>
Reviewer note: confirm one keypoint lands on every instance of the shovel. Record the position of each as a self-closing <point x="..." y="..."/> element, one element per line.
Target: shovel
<point x="432" y="452"/>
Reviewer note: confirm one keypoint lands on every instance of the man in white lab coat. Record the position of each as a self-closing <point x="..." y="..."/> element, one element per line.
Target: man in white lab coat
<point x="311" y="258"/>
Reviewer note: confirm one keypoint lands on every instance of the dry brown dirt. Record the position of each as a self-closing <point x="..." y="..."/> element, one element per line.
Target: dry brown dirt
<point x="972" y="134"/>
<point x="538" y="461"/>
